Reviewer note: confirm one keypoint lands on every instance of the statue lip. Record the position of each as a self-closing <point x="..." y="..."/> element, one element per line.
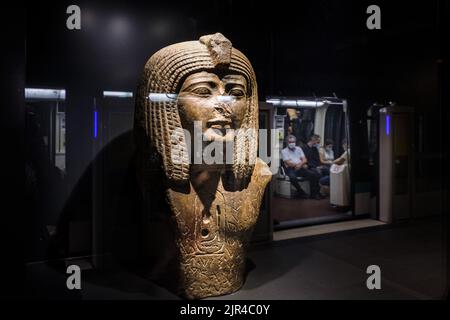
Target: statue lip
<point x="219" y="128"/>
<point x="219" y="123"/>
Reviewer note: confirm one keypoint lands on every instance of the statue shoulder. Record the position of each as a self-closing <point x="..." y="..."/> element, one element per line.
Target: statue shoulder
<point x="262" y="172"/>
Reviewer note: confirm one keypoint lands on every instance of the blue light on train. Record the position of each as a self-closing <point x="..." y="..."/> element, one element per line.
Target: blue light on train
<point x="388" y="124"/>
<point x="95" y="124"/>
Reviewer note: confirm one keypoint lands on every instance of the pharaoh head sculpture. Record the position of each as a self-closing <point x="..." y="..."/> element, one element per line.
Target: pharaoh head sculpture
<point x="211" y="86"/>
<point x="169" y="72"/>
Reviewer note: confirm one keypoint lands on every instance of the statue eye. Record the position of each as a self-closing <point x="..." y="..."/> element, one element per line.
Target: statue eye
<point x="236" y="93"/>
<point x="202" y="91"/>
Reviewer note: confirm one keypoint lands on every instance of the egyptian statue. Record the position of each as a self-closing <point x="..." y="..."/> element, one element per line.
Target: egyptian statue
<point x="208" y="86"/>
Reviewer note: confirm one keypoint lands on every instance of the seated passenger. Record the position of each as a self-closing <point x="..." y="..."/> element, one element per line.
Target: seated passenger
<point x="343" y="159"/>
<point x="325" y="180"/>
<point x="326" y="153"/>
<point x="296" y="166"/>
<point x="311" y="150"/>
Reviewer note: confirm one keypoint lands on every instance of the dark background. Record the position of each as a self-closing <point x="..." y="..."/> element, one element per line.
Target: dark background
<point x="297" y="48"/>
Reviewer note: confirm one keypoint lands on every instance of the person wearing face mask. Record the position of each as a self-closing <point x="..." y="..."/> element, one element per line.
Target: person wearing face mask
<point x="326" y="153"/>
<point x="295" y="163"/>
<point x="343" y="159"/>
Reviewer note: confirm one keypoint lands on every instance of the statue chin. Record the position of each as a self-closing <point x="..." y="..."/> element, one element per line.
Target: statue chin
<point x="209" y="210"/>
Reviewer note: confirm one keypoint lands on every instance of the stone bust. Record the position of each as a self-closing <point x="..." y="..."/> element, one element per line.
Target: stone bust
<point x="212" y="206"/>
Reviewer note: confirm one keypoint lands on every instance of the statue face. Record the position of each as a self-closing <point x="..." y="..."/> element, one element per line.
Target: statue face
<point x="219" y="104"/>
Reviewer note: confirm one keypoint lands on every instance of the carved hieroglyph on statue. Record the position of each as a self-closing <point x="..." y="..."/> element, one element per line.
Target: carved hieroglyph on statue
<point x="210" y="87"/>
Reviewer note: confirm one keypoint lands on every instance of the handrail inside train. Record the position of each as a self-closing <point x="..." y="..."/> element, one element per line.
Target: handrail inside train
<point x="304" y="102"/>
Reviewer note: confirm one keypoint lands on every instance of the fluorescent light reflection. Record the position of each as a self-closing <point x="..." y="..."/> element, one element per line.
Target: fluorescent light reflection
<point x="118" y="94"/>
<point x="45" y="94"/>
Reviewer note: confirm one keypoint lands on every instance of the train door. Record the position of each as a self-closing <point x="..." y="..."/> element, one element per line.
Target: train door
<point x="45" y="162"/>
<point x="396" y="163"/>
<point x="113" y="114"/>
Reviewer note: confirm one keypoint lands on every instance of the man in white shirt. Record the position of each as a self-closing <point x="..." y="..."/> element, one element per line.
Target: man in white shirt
<point x="295" y="163"/>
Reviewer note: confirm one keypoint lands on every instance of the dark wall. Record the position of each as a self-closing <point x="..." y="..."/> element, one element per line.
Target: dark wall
<point x="297" y="48"/>
<point x="15" y="211"/>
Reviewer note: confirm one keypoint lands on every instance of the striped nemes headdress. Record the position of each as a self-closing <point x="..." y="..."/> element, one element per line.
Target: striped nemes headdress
<point x="158" y="122"/>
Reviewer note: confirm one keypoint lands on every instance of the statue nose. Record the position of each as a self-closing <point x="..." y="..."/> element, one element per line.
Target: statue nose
<point x="223" y="109"/>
